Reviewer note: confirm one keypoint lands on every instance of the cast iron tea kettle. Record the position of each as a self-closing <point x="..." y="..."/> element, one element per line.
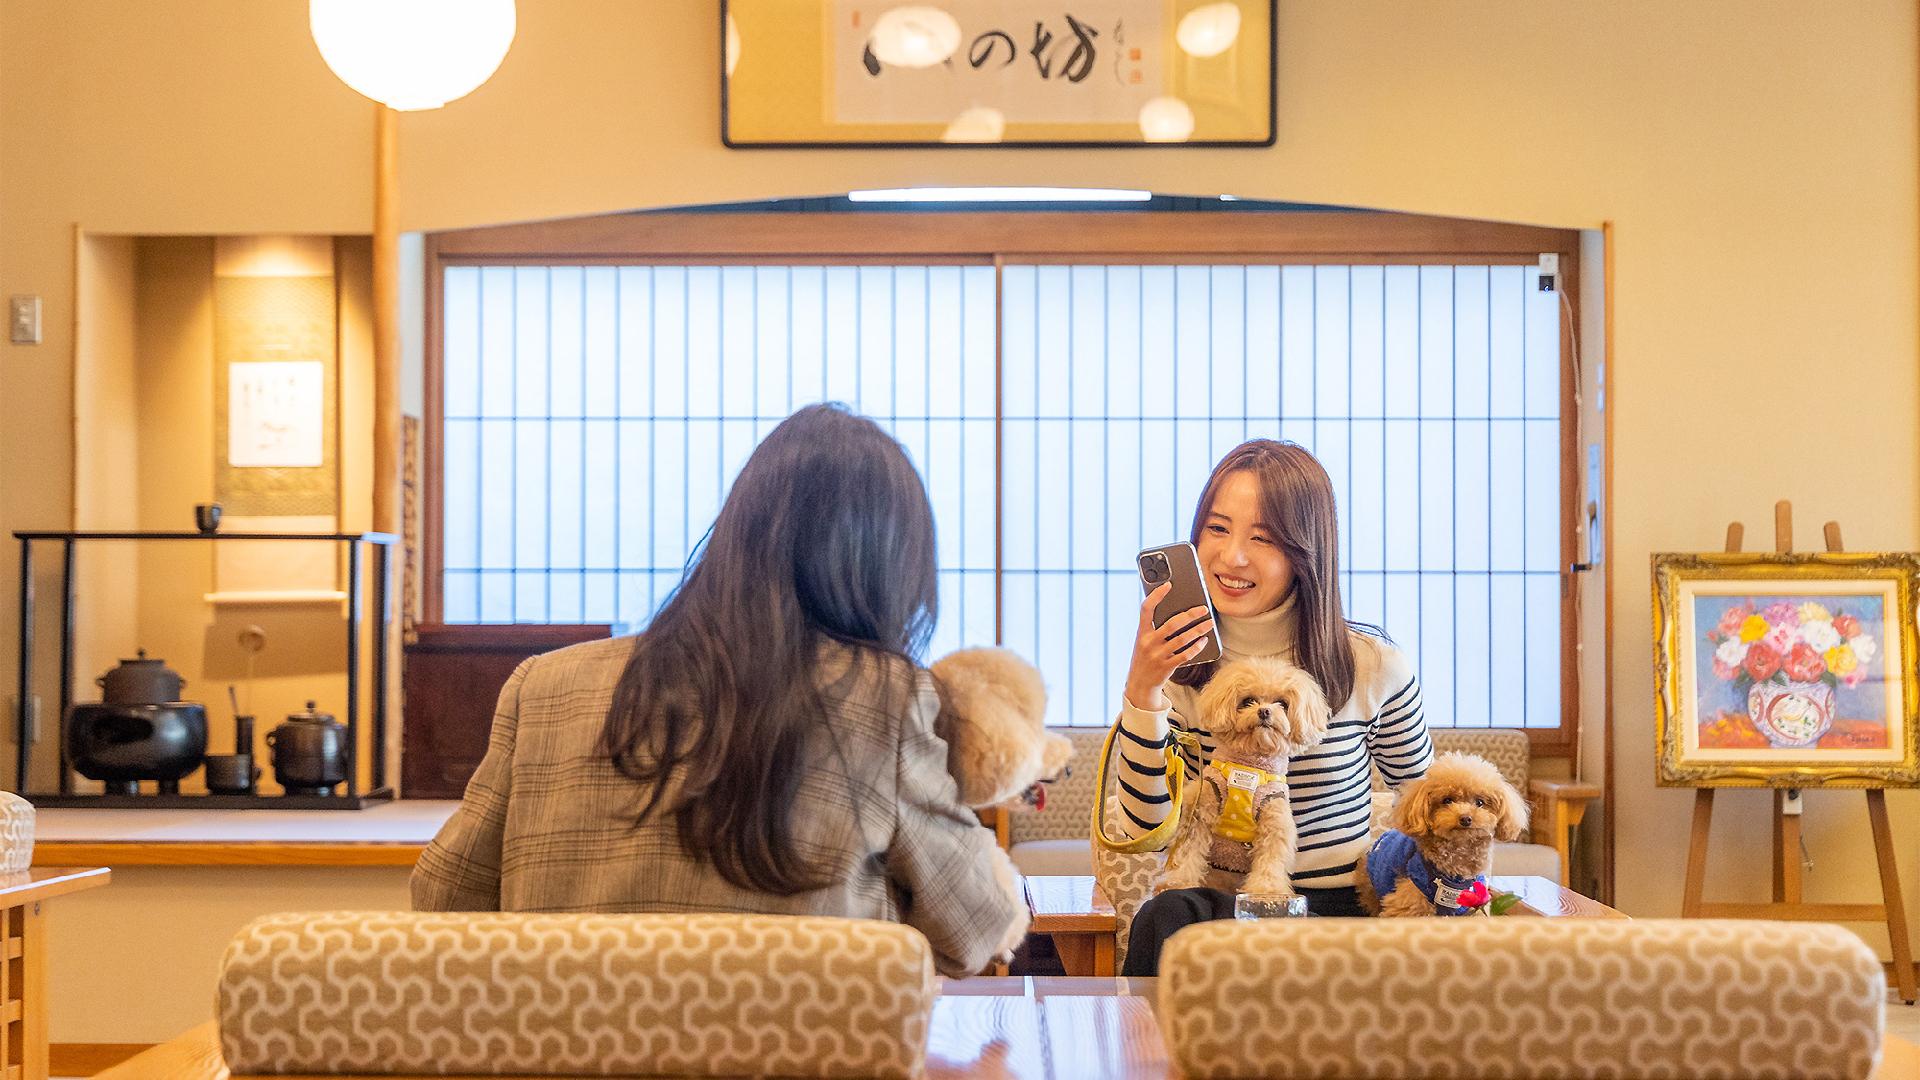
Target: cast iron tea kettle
<point x="141" y="681"/>
<point x="309" y="753"/>
<point x="142" y="731"/>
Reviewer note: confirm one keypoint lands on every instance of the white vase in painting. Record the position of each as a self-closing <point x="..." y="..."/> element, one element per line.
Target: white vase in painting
<point x="1792" y="715"/>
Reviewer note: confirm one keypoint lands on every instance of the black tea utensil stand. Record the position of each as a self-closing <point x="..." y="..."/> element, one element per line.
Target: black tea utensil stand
<point x="379" y="595"/>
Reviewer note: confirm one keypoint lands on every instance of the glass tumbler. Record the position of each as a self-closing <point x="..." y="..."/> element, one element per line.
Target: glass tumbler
<point x="1269" y="906"/>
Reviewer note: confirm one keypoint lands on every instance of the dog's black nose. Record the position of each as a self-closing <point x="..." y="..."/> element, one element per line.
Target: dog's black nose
<point x="1466" y="821"/>
<point x="1264" y="713"/>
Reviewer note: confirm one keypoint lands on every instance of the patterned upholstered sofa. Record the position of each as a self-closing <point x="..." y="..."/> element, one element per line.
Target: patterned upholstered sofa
<point x="1523" y="997"/>
<point x="563" y="995"/>
<point x="1054" y="840"/>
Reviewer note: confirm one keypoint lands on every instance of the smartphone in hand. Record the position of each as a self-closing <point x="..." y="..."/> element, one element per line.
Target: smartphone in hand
<point x="1180" y="564"/>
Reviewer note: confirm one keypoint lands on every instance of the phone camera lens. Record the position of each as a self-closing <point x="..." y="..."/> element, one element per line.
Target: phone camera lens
<point x="1154" y="569"/>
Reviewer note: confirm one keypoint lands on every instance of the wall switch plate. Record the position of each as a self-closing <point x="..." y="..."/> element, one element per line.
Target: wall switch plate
<point x="23" y="320"/>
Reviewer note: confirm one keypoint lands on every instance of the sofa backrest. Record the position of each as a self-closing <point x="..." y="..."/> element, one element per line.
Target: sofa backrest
<point x="1521" y="997"/>
<point x="1507" y="748"/>
<point x="1069" y="801"/>
<point x="566" y="995"/>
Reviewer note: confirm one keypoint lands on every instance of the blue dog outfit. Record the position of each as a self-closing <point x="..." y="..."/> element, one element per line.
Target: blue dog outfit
<point x="1395" y="854"/>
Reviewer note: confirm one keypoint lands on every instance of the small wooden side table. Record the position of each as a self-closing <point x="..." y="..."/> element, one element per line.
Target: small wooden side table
<point x="1075" y="912"/>
<point x="23" y="962"/>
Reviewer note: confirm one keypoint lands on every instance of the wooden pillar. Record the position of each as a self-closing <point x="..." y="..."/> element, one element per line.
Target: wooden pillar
<point x="386" y="326"/>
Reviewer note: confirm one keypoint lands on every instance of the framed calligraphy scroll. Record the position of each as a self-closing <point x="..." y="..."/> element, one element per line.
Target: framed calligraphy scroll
<point x="850" y="73"/>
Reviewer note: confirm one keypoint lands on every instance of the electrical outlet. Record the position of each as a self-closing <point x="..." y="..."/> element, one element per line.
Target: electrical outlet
<point x="23" y="319"/>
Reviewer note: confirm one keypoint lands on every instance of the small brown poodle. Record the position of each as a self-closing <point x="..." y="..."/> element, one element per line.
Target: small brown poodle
<point x="1236" y="832"/>
<point x="993" y="717"/>
<point x="1434" y="860"/>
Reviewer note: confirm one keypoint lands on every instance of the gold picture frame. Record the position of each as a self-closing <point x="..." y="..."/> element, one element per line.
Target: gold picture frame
<point x="881" y="73"/>
<point x="1786" y="670"/>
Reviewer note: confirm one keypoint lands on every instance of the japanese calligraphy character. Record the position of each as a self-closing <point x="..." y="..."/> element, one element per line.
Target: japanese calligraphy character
<point x="1042" y="37"/>
<point x="1079" y="62"/>
<point x="982" y="48"/>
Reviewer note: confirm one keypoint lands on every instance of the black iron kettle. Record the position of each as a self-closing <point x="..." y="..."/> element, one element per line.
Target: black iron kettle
<point x="141" y="681"/>
<point x="309" y="753"/>
<point x="142" y="731"/>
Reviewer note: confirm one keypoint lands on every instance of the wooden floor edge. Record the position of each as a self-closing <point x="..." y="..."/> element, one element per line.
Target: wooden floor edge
<point x="85" y="1059"/>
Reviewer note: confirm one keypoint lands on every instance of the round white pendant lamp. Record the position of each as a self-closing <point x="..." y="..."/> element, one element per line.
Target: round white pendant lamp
<point x="979" y="124"/>
<point x="914" y="37"/>
<point x="1209" y="30"/>
<point x="413" y="54"/>
<point x="1166" y="119"/>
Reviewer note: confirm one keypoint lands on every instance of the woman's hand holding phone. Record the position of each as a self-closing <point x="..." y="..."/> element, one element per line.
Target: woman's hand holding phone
<point x="1159" y="650"/>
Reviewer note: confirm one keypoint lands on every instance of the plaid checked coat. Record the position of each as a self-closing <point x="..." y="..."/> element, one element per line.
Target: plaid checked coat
<point x="548" y="823"/>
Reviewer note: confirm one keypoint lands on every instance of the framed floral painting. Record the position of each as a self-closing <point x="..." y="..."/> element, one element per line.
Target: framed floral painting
<point x="1786" y="670"/>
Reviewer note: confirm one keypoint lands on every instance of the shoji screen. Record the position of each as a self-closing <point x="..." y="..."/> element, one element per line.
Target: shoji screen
<point x="1431" y="393"/>
<point x="595" y="415"/>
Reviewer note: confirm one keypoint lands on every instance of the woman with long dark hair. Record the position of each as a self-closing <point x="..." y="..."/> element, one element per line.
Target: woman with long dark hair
<point x="1268" y="539"/>
<point x="766" y="745"/>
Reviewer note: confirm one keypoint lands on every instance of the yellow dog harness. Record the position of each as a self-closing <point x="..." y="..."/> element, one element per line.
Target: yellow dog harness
<point x="1236" y="802"/>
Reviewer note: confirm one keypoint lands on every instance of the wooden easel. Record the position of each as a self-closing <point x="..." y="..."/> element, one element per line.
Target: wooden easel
<point x="1786" y="902"/>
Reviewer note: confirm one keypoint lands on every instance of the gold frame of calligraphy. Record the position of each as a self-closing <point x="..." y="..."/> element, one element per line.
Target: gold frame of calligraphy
<point x="1786" y="670"/>
<point x="957" y="73"/>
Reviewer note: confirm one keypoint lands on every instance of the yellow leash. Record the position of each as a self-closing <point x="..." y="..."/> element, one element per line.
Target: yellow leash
<point x="1160" y="835"/>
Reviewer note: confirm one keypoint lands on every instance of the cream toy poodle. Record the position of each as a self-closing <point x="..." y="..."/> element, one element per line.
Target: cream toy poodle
<point x="1236" y="832"/>
<point x="993" y="718"/>
<point x="1434" y="860"/>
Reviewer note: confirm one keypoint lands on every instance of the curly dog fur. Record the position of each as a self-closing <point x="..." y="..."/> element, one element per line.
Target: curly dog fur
<point x="1454" y="814"/>
<point x="1261" y="713"/>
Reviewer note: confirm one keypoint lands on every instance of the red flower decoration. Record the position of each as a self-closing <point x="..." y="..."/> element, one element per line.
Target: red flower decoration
<point x="1803" y="664"/>
<point x="1474" y="895"/>
<point x="1762" y="661"/>
<point x="1846" y="626"/>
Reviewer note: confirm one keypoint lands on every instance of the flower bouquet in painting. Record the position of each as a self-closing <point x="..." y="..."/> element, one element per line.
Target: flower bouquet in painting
<point x="1787" y="660"/>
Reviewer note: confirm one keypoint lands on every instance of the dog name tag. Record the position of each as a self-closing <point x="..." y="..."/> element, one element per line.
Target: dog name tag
<point x="1445" y="896"/>
<point x="1244" y="779"/>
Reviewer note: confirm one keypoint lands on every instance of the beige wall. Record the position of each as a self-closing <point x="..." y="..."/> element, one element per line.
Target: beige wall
<point x="106" y="489"/>
<point x="1758" y="159"/>
<point x="137" y="960"/>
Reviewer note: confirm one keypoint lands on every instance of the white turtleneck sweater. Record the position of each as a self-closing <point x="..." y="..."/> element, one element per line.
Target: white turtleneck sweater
<point x="1381" y="725"/>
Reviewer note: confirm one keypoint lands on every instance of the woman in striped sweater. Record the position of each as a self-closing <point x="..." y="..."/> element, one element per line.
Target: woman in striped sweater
<point x="1268" y="540"/>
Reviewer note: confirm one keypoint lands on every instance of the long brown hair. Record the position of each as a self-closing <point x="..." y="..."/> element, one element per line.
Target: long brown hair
<point x="827" y="534"/>
<point x="1296" y="503"/>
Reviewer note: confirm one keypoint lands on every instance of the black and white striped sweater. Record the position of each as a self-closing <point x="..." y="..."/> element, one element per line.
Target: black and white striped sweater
<point x="1381" y="725"/>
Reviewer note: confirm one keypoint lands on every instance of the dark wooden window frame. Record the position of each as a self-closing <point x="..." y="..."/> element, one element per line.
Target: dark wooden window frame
<point x="997" y="239"/>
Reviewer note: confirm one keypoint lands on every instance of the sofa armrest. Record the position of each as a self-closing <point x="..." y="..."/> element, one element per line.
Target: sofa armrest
<point x="1559" y="806"/>
<point x="1575" y="790"/>
<point x="997" y="819"/>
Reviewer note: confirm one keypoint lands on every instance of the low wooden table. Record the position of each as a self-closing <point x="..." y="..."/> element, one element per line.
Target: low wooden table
<point x="23" y="962"/>
<point x="982" y="1029"/>
<point x="1075" y="912"/>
